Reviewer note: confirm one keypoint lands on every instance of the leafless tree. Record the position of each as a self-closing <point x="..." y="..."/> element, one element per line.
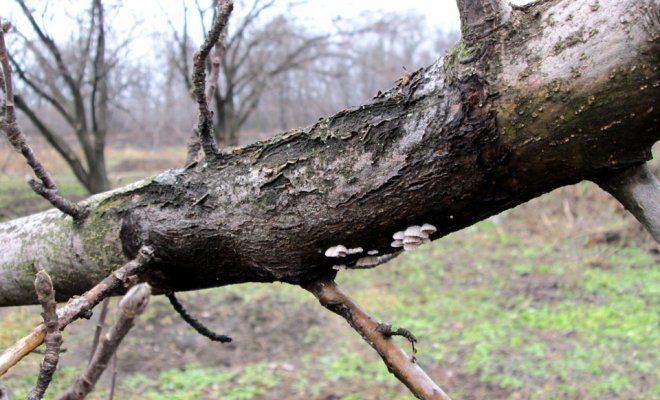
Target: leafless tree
<point x="374" y="59"/>
<point x="259" y="51"/>
<point x="73" y="81"/>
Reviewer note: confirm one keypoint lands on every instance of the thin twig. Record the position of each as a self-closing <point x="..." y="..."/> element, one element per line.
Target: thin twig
<point x="43" y="285"/>
<point x="113" y="379"/>
<point x="131" y="305"/>
<point x="219" y="49"/>
<point x="205" y="120"/>
<point x="99" y="327"/>
<point x="398" y="362"/>
<point x="77" y="308"/>
<point x="198" y="326"/>
<point x="47" y="187"/>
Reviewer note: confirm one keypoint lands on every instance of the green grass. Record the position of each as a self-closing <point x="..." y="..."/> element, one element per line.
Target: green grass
<point x="513" y="316"/>
<point x="192" y="383"/>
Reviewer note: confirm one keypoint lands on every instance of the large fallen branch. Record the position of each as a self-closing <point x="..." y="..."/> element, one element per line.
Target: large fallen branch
<point x="457" y="142"/>
<point x="518" y="107"/>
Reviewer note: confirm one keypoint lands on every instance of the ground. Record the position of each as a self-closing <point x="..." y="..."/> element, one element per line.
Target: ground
<point x="556" y="299"/>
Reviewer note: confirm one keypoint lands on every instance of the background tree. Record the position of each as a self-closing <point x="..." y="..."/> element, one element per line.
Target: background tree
<point x="72" y="80"/>
<point x="271" y="54"/>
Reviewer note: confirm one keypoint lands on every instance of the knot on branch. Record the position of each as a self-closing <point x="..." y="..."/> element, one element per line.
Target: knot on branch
<point x="387" y="331"/>
<point x="480" y="18"/>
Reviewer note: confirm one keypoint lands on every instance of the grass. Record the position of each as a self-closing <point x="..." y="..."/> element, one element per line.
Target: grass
<point x="515" y="309"/>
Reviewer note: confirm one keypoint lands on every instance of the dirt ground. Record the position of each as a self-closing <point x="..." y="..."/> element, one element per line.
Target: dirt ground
<point x="556" y="299"/>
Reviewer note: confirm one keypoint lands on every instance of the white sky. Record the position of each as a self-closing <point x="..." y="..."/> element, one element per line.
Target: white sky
<point x="150" y="14"/>
<point x="321" y="12"/>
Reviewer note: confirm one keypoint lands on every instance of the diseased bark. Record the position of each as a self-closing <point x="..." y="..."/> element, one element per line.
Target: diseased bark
<point x="564" y="92"/>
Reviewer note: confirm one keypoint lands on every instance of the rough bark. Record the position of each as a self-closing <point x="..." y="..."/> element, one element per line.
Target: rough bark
<point x="560" y="92"/>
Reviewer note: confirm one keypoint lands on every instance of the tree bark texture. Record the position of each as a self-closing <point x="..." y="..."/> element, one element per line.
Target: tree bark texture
<point x="558" y="92"/>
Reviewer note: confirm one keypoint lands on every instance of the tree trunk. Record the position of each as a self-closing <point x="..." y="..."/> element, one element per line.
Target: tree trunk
<point x="560" y="92"/>
<point x="97" y="179"/>
<point x="226" y="127"/>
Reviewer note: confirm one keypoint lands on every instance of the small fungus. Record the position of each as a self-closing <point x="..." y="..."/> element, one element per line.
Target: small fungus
<point x="338" y="251"/>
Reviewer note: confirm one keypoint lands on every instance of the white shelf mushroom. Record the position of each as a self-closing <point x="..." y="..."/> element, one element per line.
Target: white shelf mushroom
<point x="356" y="250"/>
<point x="338" y="251"/>
<point x="428" y="229"/>
<point x="415" y="231"/>
<point x="413" y="236"/>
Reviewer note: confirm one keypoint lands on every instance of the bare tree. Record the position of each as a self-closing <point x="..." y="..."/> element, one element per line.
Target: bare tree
<point x="502" y="119"/>
<point x="74" y="82"/>
<point x="375" y="58"/>
<point x="257" y="53"/>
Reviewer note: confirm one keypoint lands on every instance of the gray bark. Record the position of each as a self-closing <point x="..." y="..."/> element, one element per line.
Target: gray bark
<point x="560" y="92"/>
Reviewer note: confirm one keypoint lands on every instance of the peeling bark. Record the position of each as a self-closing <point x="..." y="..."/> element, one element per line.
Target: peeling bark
<point x="563" y="91"/>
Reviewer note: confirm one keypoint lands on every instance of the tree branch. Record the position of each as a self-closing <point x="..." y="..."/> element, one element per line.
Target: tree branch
<point x="205" y="120"/>
<point x="638" y="189"/>
<point x="99" y="327"/>
<point x="398" y="362"/>
<point x="44" y="288"/>
<point x="78" y="307"/>
<point x="47" y="187"/>
<point x="212" y="85"/>
<point x="131" y="306"/>
<point x="479" y="18"/>
<point x="99" y="77"/>
<point x="41" y="93"/>
<point x="198" y="326"/>
<point x="54" y="140"/>
<point x="61" y="66"/>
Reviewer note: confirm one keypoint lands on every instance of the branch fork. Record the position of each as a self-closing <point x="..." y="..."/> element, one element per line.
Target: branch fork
<point x="378" y="336"/>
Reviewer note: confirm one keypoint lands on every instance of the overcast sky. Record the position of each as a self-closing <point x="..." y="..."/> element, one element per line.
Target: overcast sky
<point x="317" y="14"/>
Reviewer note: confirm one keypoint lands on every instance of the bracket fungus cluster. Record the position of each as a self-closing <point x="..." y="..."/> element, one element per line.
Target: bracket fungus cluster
<point x="413" y="236"/>
<point x="340" y="251"/>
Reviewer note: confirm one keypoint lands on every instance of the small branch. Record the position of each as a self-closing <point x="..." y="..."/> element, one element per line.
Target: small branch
<point x="639" y="192"/>
<point x="198" y="326"/>
<point x="398" y="362"/>
<point x="131" y="306"/>
<point x="388" y="331"/>
<point x="47" y="187"/>
<point x="99" y="327"/>
<point x="205" y="120"/>
<point x="479" y="18"/>
<point x="77" y="308"/>
<point x="113" y="379"/>
<point x="44" y="288"/>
